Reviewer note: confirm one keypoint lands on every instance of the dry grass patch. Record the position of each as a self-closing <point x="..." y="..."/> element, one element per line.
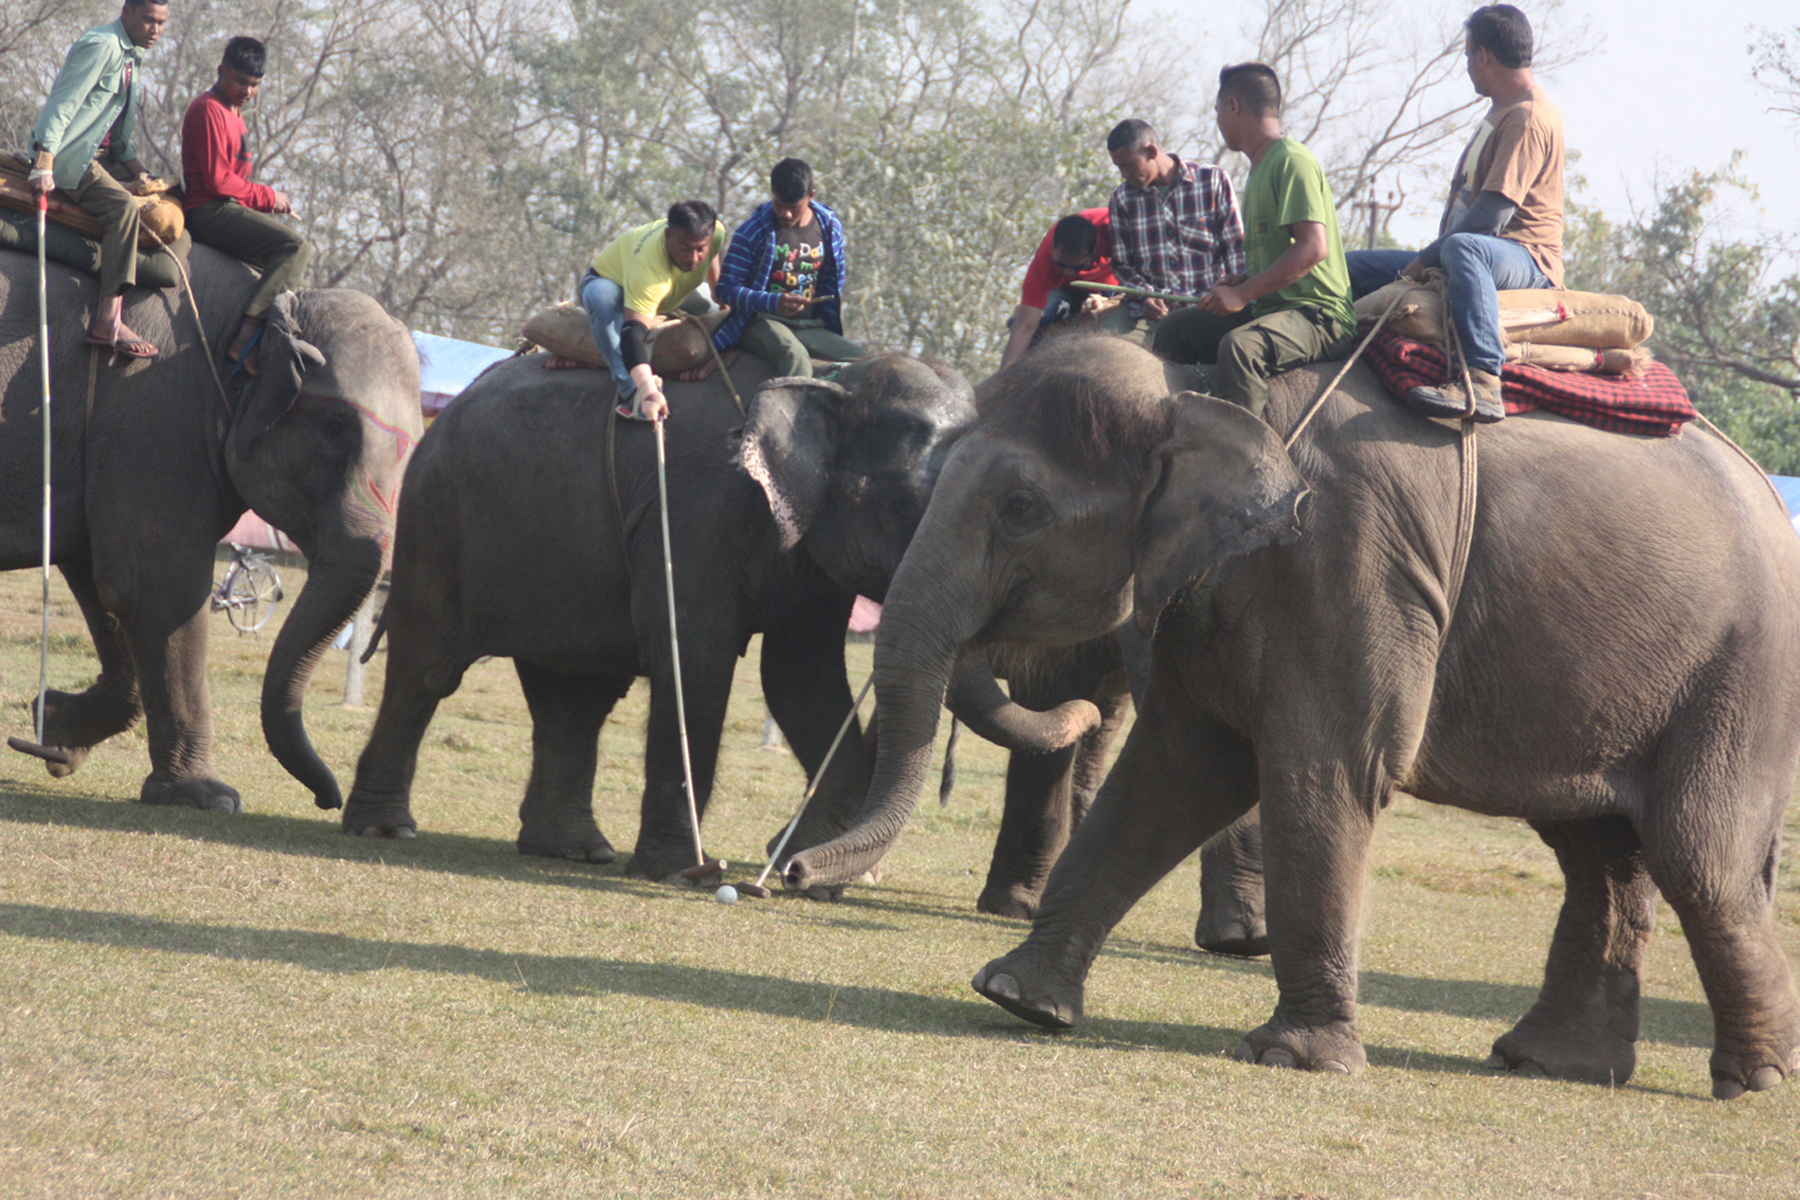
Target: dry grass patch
<point x="200" y="1005"/>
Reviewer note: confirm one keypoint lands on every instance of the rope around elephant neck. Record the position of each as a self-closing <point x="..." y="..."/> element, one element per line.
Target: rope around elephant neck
<point x="1319" y="400"/>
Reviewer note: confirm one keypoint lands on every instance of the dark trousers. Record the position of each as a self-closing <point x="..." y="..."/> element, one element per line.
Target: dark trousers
<point x="271" y="244"/>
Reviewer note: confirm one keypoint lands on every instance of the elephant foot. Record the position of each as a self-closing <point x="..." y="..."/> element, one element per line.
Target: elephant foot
<point x="1753" y="1069"/>
<point x="1025" y="990"/>
<point x="207" y="795"/>
<point x="1548" y="1048"/>
<point x="588" y="846"/>
<point x="76" y="722"/>
<point x="370" y="818"/>
<point x="1334" y="1047"/>
<point x="1239" y="934"/>
<point x="665" y="864"/>
<point x="1011" y="900"/>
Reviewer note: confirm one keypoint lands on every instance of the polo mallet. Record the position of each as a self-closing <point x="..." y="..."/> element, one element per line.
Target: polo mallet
<point x="703" y="866"/>
<point x="38" y="748"/>
<point x="757" y="889"/>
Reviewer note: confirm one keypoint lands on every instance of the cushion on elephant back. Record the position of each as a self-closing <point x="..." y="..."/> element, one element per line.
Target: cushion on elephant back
<point x="161" y="221"/>
<point x="1539" y="316"/>
<point x="678" y="342"/>
<point x="155" y="268"/>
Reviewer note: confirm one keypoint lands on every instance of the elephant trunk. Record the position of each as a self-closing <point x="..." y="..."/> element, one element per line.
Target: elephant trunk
<point x="340" y="578"/>
<point x="914" y="651"/>
<point x="976" y="699"/>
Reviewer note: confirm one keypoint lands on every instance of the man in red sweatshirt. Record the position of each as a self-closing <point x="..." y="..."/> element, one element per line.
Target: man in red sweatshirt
<point x="225" y="210"/>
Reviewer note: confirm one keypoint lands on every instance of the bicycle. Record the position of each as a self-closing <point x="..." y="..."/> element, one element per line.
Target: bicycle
<point x="250" y="590"/>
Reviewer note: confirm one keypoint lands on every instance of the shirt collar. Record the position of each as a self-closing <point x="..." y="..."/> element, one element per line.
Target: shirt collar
<point x="130" y="48"/>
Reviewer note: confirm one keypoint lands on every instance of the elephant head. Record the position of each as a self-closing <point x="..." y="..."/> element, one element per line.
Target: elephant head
<point x="1085" y="491"/>
<point x="316" y="447"/>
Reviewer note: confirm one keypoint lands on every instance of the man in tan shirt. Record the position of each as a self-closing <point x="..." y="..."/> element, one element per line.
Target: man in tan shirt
<point x="1502" y="223"/>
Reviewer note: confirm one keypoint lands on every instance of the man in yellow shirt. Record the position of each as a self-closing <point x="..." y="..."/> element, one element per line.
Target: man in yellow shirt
<point x="639" y="274"/>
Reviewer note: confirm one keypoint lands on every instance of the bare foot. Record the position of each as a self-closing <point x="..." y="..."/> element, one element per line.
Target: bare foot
<point x="120" y="339"/>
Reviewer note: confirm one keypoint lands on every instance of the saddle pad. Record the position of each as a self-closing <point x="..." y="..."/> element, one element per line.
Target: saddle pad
<point x="1654" y="403"/>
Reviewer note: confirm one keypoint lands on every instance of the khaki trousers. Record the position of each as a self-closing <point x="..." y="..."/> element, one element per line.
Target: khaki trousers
<point x="1251" y="351"/>
<point x="105" y="199"/>
<point x="790" y="345"/>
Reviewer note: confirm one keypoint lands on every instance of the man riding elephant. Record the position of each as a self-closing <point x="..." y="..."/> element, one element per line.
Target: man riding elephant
<point x="83" y="137"/>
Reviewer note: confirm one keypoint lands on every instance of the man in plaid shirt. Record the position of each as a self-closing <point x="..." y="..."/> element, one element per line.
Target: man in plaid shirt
<point x="1175" y="224"/>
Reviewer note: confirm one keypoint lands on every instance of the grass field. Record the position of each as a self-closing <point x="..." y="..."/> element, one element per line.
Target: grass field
<point x="196" y="1005"/>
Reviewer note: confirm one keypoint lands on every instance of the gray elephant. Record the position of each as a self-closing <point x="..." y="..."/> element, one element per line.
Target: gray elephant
<point x="1610" y="650"/>
<point x="153" y="463"/>
<point x="514" y="539"/>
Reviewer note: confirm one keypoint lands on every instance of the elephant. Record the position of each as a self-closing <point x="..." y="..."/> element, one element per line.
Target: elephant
<point x="515" y="540"/>
<point x="153" y="462"/>
<point x="1594" y="632"/>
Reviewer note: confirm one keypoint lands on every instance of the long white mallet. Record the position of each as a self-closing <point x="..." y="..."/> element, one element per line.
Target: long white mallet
<point x="703" y="866"/>
<point x="39" y="748"/>
<point x="757" y="889"/>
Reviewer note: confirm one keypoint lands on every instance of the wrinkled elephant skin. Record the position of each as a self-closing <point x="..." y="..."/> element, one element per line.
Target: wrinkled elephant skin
<point x="1618" y="664"/>
<point x="154" y="465"/>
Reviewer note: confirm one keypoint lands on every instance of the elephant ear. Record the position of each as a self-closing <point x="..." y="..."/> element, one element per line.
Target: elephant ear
<point x="1225" y="487"/>
<point x="283" y="358"/>
<point x="789" y="445"/>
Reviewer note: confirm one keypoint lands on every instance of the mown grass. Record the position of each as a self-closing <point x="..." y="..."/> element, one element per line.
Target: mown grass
<point x="197" y="1005"/>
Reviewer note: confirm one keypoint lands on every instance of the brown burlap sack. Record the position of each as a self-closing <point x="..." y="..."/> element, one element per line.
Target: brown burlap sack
<point x="1540" y="316"/>
<point x="676" y="343"/>
<point x="1629" y="363"/>
<point x="161" y="221"/>
<point x="1590" y="319"/>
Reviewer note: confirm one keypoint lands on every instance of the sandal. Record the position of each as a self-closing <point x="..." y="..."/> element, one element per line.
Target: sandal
<point x="241" y="364"/>
<point x="628" y="410"/>
<point x="131" y="347"/>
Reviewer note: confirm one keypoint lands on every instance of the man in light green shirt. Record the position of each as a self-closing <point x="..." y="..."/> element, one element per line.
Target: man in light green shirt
<point x="1293" y="308"/>
<point x="639" y="274"/>
<point x="84" y="130"/>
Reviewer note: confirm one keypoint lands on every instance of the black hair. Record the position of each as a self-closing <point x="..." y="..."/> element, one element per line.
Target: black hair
<point x="692" y="217"/>
<point x="791" y="181"/>
<point x="1130" y="134"/>
<point x="1254" y="86"/>
<point x="1075" y="236"/>
<point x="1503" y="32"/>
<point x="245" y="54"/>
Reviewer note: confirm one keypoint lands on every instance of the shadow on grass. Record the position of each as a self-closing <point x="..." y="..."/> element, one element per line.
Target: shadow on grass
<point x="1671" y="1022"/>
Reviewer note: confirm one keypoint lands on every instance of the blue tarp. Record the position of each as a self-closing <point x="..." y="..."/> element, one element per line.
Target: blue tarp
<point x="1789" y="487"/>
<point x="446" y="367"/>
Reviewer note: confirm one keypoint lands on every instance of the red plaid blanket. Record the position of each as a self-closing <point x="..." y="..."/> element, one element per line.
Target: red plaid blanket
<point x="1655" y="403"/>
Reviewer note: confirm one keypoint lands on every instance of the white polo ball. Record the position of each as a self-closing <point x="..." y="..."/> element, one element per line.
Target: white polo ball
<point x="726" y="894"/>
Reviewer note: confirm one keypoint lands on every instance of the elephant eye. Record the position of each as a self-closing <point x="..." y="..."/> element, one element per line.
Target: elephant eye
<point x="1021" y="510"/>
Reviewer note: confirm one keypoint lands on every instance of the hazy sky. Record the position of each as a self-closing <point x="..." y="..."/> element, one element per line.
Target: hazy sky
<point x="1666" y="87"/>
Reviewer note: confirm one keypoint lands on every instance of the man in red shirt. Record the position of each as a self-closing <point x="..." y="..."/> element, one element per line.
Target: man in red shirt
<point x="225" y="210"/>
<point x="1077" y="247"/>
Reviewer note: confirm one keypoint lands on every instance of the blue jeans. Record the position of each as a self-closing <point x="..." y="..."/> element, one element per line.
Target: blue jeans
<point x="605" y="304"/>
<point x="1475" y="267"/>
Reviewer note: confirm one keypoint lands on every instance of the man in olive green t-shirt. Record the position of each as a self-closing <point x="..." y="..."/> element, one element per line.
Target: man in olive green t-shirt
<point x="1293" y="308"/>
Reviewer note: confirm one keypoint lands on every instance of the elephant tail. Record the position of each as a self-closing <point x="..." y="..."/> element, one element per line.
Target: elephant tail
<point x="375" y="637"/>
<point x="948" y="780"/>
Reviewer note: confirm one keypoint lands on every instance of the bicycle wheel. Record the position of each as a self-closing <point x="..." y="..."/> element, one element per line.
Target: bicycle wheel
<point x="252" y="597"/>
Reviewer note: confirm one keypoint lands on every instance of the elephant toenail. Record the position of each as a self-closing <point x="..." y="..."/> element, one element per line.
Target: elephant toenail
<point x="1276" y="1056"/>
<point x="1002" y="985"/>
<point x="1727" y="1089"/>
<point x="1496" y="1062"/>
<point x="1333" y="1067"/>
<point x="1764" y="1078"/>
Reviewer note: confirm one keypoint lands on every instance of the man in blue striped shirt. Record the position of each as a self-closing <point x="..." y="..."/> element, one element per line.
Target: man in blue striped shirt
<point x="784" y="279"/>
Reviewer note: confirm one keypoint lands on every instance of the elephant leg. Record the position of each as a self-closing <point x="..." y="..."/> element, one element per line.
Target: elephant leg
<point x="1719" y="877"/>
<point x="1584" y="1025"/>
<point x="166" y="632"/>
<point x="1044" y="797"/>
<point x="556" y="818"/>
<point x="418" y="677"/>
<point x="665" y="842"/>
<point x="808" y="692"/>
<point x="1231" y="891"/>
<point x="1317" y="825"/>
<point x="1176" y="784"/>
<point x="76" y="722"/>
